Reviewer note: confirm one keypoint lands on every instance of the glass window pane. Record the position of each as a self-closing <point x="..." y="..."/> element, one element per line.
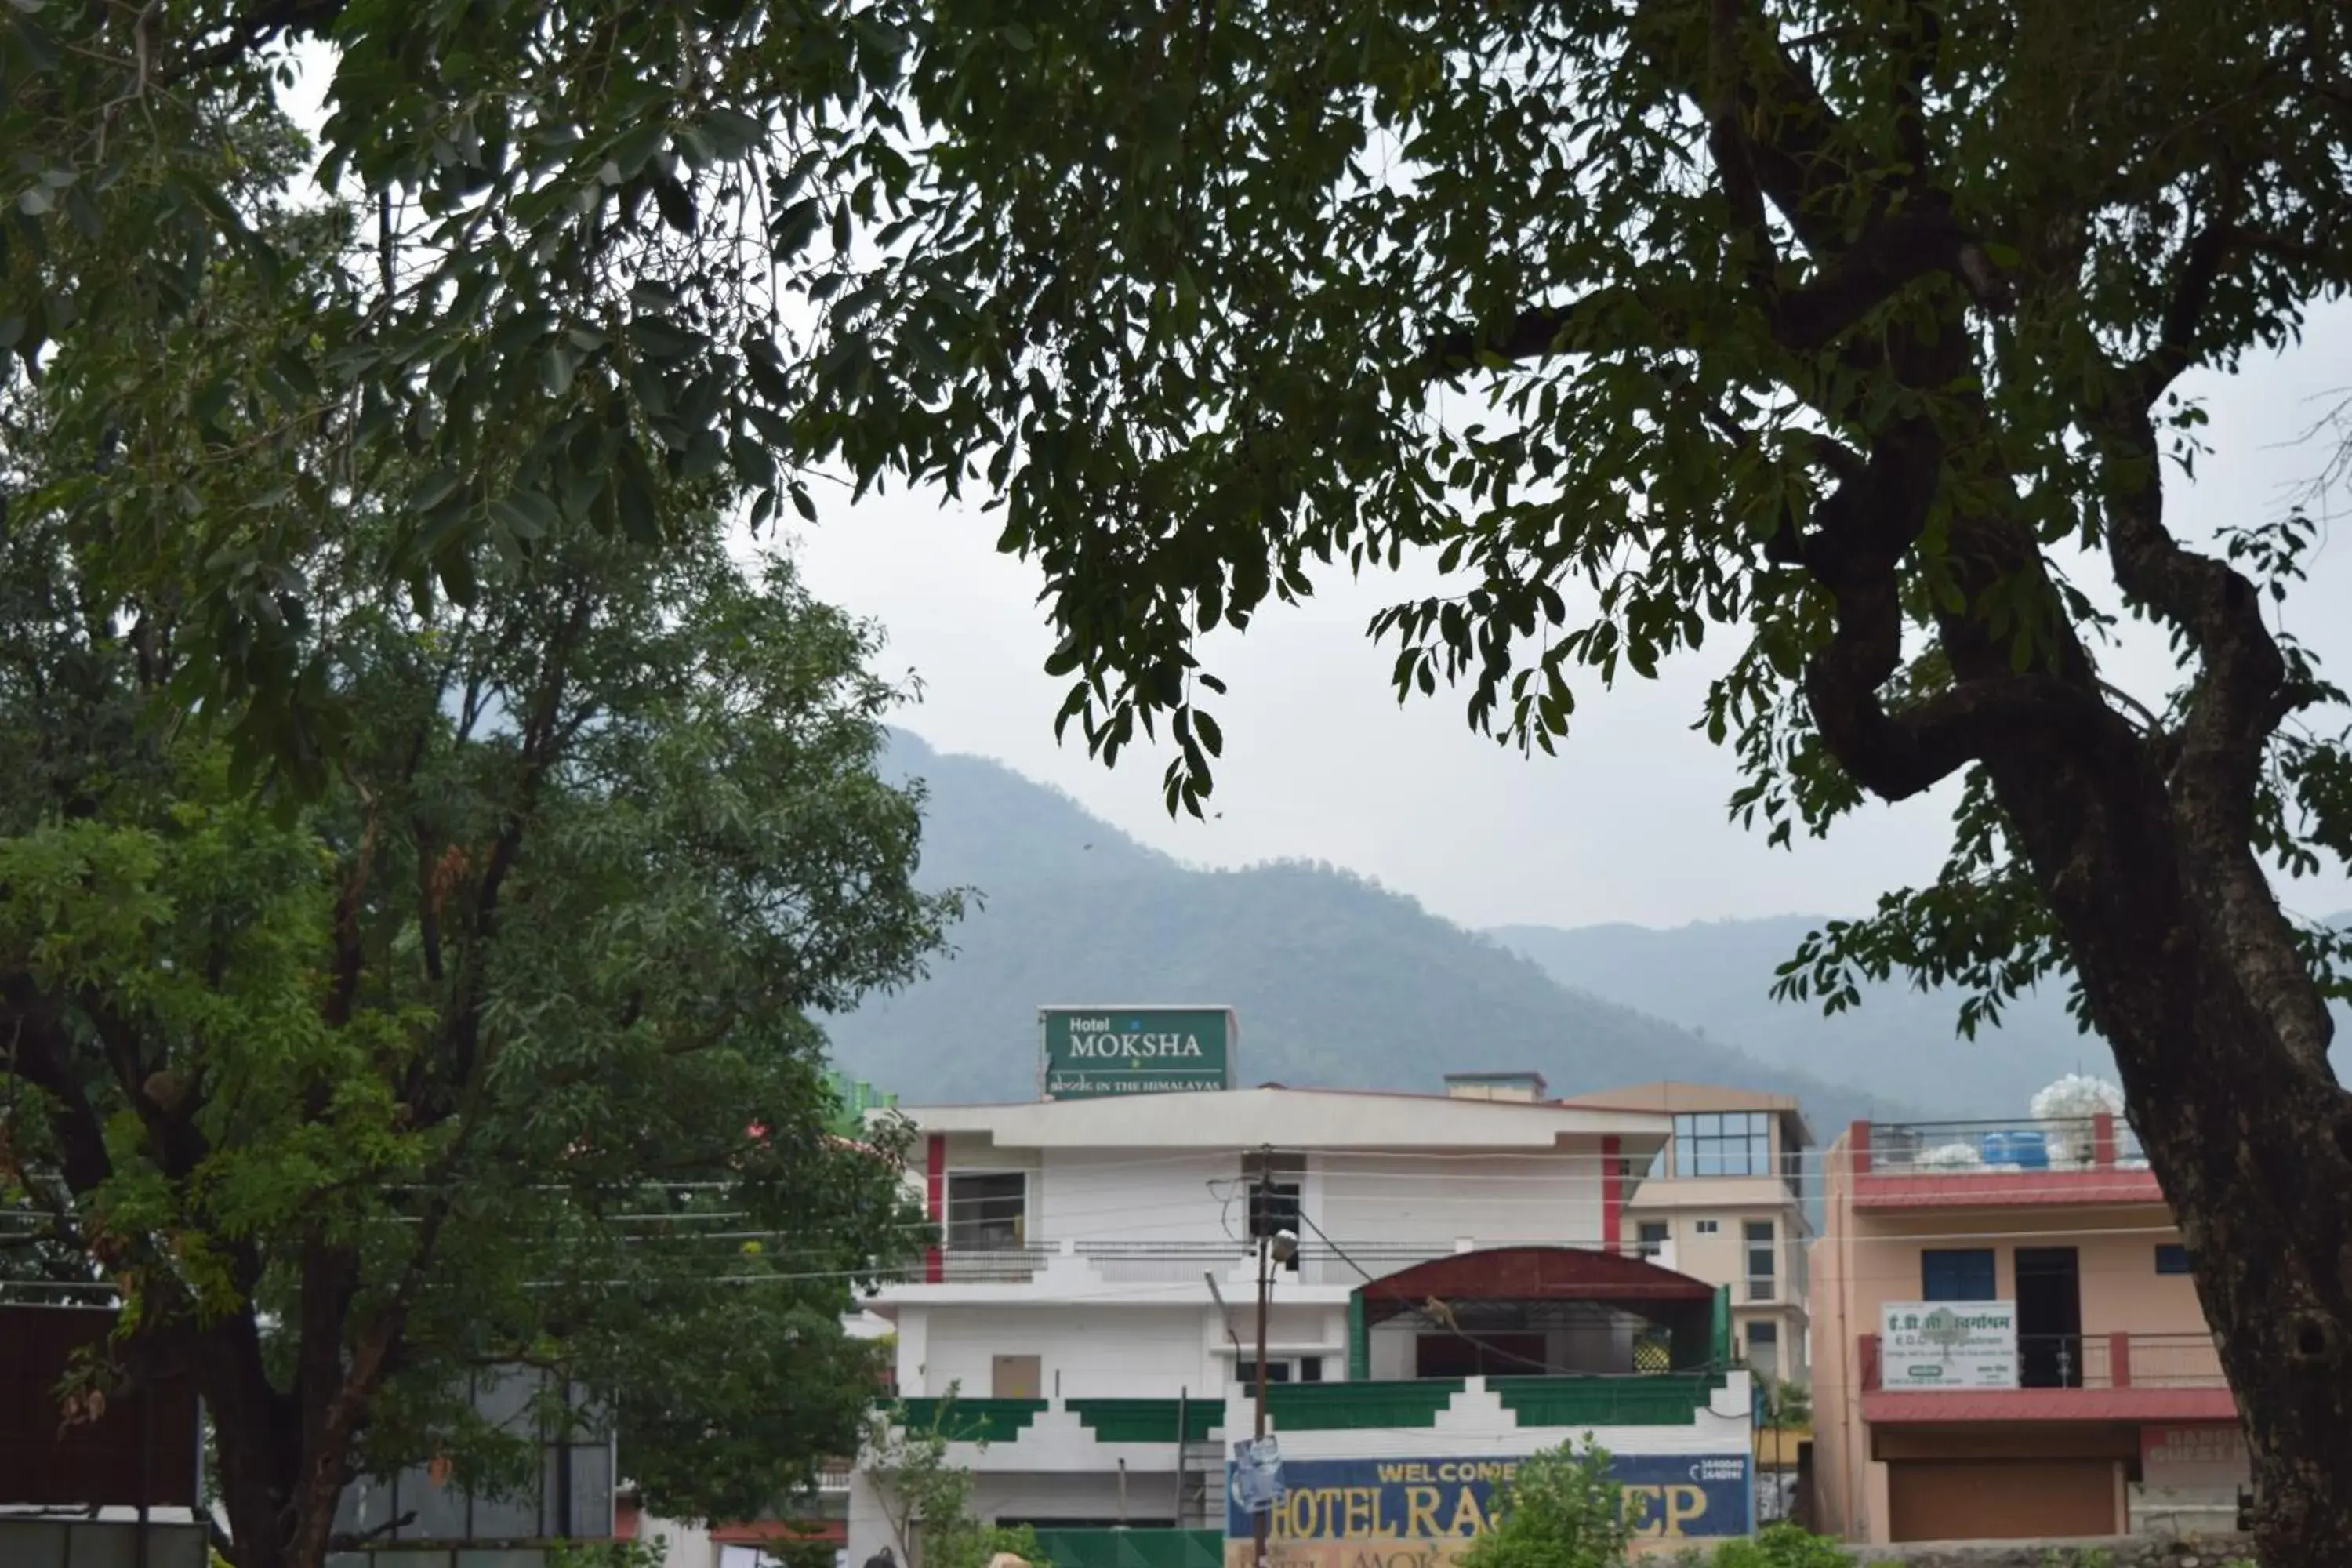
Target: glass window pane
<point x="440" y="1509"/>
<point x="503" y="1396"/>
<point x="1957" y="1274"/>
<point x="514" y="1518"/>
<point x="986" y="1209"/>
<point x="168" y="1548"/>
<point x="591" y="1489"/>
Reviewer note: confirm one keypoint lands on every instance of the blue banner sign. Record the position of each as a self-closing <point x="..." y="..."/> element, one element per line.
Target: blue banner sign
<point x="1417" y="1513"/>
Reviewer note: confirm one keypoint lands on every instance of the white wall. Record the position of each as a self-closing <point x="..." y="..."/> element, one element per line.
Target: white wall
<point x="1151" y="1495"/>
<point x="1109" y="1195"/>
<point x="1496" y="1200"/>
<point x="685" y="1546"/>
<point x="1110" y="1350"/>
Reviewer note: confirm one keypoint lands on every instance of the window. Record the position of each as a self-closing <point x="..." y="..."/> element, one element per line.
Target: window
<point x="1274" y="1183"/>
<point x="2171" y="1257"/>
<point x="1725" y="1143"/>
<point x="1649" y="1239"/>
<point x="1963" y="1274"/>
<point x="1245" y="1372"/>
<point x="1792" y="1165"/>
<point x="1707" y="1227"/>
<point x="1761" y="1259"/>
<point x="988" y="1210"/>
<point x="1310" y="1369"/>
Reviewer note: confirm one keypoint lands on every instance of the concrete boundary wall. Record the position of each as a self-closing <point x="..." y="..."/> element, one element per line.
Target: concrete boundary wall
<point x="2118" y="1552"/>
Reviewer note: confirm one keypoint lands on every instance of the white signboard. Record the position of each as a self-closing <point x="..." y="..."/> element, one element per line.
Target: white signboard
<point x="1947" y="1344"/>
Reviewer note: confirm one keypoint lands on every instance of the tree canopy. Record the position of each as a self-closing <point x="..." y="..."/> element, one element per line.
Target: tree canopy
<point x="1849" y="332"/>
<point x="1853" y="332"/>
<point x="500" y="1046"/>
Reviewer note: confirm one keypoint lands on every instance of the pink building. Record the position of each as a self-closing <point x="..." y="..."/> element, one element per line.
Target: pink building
<point x="2007" y="1342"/>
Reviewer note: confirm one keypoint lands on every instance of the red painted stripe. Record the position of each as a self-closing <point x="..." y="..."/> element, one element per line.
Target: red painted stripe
<point x="1612" y="1194"/>
<point x="1905" y="1406"/>
<point x="935" y="1175"/>
<point x="2002" y="1189"/>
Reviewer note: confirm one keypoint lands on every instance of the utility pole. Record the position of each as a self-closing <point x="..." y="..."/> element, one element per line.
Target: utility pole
<point x="1259" y="1520"/>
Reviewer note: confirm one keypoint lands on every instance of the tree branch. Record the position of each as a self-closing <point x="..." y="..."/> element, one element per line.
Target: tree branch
<point x="2215" y="762"/>
<point x="249" y="32"/>
<point x="350" y="952"/>
<point x="353" y="1541"/>
<point x="2184" y="314"/>
<point x="38" y="1054"/>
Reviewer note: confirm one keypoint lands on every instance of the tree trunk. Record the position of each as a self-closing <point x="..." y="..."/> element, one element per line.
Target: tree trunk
<point x="275" y="1520"/>
<point x="2244" y="1123"/>
<point x="253" y="1436"/>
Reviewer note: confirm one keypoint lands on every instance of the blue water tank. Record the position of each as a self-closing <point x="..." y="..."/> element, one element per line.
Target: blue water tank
<point x="2028" y="1151"/>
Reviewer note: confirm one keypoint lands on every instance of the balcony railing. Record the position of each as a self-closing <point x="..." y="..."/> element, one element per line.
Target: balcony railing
<point x="2093" y="1360"/>
<point x="2015" y="1146"/>
<point x="1318" y="1262"/>
<point x="992" y="1265"/>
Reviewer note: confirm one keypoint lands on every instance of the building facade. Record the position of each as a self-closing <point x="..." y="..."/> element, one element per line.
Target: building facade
<point x="1725" y="1201"/>
<point x="1462" y="1293"/>
<point x="2007" y="1341"/>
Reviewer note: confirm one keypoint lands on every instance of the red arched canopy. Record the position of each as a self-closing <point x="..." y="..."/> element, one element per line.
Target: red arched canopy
<point x="1532" y="1274"/>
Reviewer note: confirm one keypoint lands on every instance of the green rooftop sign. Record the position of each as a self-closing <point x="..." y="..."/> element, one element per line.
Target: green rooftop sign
<point x="1091" y="1052"/>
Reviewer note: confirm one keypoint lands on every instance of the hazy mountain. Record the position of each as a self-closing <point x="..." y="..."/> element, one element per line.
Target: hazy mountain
<point x="1716" y="979"/>
<point x="1338" y="980"/>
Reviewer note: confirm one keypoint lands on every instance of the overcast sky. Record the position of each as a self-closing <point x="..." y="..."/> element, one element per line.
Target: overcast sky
<point x="1626" y="823"/>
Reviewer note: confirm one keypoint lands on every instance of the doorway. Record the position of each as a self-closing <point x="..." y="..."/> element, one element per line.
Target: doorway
<point x="2049" y="1317"/>
<point x="1016" y="1377"/>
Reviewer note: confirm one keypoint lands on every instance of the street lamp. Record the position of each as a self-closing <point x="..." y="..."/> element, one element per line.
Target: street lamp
<point x="1279" y="1247"/>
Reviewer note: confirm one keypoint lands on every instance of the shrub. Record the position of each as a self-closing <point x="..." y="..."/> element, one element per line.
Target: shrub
<point x="1782" y="1546"/>
<point x="1560" y="1511"/>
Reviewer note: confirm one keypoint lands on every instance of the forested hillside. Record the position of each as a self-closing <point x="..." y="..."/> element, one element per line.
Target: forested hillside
<point x="1338" y="980"/>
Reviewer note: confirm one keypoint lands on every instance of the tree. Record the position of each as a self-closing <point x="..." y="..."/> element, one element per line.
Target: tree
<point x="577" y="229"/>
<point x="1854" y="331"/>
<point x="496" y="1050"/>
<point x="925" y="1496"/>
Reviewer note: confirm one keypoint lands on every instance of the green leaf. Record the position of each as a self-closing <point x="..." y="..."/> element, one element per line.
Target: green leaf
<point x="639" y="514"/>
<point x="633" y="148"/>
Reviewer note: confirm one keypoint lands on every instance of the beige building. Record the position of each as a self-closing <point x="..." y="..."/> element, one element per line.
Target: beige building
<point x="2086" y="1398"/>
<point x="1725" y="1201"/>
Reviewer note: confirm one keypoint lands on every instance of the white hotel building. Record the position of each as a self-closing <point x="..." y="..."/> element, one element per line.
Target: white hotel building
<point x="1466" y="1290"/>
